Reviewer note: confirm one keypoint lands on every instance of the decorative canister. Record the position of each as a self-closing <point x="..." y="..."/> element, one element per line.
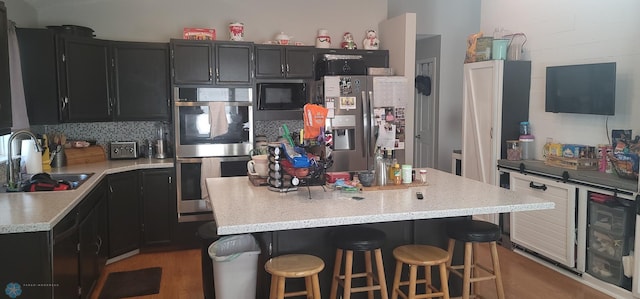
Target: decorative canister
<point x="236" y="31"/>
<point x="323" y="40"/>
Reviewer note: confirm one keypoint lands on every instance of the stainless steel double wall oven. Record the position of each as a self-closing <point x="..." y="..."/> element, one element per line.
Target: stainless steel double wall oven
<point x="213" y="123"/>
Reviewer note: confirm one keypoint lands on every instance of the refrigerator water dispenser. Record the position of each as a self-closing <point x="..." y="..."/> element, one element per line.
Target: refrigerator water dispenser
<point x="343" y="139"/>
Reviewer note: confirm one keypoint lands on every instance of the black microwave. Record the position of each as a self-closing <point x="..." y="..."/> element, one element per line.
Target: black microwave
<point x="282" y="96"/>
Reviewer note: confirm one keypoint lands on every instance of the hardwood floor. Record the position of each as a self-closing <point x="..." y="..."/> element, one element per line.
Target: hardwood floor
<point x="522" y="278"/>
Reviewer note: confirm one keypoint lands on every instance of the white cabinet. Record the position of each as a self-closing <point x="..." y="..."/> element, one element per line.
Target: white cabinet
<point x="496" y="100"/>
<point x="550" y="233"/>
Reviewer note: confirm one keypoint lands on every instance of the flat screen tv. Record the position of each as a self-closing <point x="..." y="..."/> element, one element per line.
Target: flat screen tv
<point x="582" y="89"/>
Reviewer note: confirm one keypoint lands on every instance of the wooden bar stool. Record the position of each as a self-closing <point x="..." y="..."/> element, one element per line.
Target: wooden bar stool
<point x="294" y="266"/>
<point x="472" y="232"/>
<point x="415" y="256"/>
<point x="358" y="239"/>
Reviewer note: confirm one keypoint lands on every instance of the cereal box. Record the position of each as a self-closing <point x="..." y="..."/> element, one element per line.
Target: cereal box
<point x="199" y="33"/>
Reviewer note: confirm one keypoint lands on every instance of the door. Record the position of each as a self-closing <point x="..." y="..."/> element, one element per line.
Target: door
<point x="158" y="206"/>
<point x="550" y="233"/>
<point x="482" y="89"/>
<point x="141" y="81"/>
<point x="426" y="117"/>
<point x="124" y="213"/>
<point x="86" y="64"/>
<point x="234" y="63"/>
<point x="191" y="62"/>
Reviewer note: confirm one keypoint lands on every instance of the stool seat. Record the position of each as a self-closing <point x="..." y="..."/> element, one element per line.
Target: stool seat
<point x="358" y="238"/>
<point x="420" y="255"/>
<point x="294" y="265"/>
<point x="473" y="231"/>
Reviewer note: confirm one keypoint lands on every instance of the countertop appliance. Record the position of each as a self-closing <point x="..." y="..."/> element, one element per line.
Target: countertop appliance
<point x="280" y="99"/>
<point x="364" y="111"/>
<point x="123" y="150"/>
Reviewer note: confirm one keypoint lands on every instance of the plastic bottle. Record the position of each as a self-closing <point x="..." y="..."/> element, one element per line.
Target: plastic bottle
<point x="381" y="171"/>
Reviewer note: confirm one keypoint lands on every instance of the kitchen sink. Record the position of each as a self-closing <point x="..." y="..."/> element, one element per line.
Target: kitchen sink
<point x="75" y="180"/>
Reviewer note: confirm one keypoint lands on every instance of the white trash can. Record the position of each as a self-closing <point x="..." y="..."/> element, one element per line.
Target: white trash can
<point x="235" y="266"/>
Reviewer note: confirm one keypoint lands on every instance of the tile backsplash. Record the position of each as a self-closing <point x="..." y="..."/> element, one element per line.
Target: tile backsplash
<point x="272" y="128"/>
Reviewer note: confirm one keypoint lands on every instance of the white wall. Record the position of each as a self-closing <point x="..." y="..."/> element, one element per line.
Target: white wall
<point x="575" y="32"/>
<point x="160" y="20"/>
<point x="454" y="21"/>
<point x="22" y="13"/>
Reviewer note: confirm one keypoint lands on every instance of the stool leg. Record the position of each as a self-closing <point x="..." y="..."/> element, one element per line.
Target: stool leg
<point x="316" y="286"/>
<point x="336" y="273"/>
<point x="413" y="276"/>
<point x="452" y="245"/>
<point x="280" y="287"/>
<point x="396" y="280"/>
<point x="466" y="281"/>
<point x="476" y="270"/>
<point x="444" y="282"/>
<point x="496" y="270"/>
<point x="427" y="278"/>
<point x="308" y="284"/>
<point x="274" y="287"/>
<point x="369" y="269"/>
<point x="348" y="270"/>
<point x="381" y="277"/>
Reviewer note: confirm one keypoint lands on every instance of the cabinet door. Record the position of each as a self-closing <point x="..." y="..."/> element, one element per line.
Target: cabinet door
<point x="300" y="62"/>
<point x="159" y="215"/>
<point x="480" y="101"/>
<point x="39" y="60"/>
<point x="269" y="62"/>
<point x="376" y="58"/>
<point x="5" y="91"/>
<point x="88" y="254"/>
<point x="86" y="68"/>
<point x="234" y="63"/>
<point x="124" y="213"/>
<point x="65" y="257"/>
<point x="550" y="233"/>
<point x="26" y="258"/>
<point x="141" y="81"/>
<point x="191" y="62"/>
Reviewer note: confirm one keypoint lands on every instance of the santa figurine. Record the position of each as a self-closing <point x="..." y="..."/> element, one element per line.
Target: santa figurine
<point x="371" y="41"/>
<point x="348" y="42"/>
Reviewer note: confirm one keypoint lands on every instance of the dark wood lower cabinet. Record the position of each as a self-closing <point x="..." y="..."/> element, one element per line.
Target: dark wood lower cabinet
<point x="159" y="214"/>
<point x="124" y="213"/>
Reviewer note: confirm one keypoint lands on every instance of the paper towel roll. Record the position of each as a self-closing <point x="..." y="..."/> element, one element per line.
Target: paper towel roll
<point x="31" y="157"/>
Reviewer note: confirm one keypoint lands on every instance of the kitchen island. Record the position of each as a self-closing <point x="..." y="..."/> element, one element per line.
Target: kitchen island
<point x="301" y="221"/>
<point x="239" y="207"/>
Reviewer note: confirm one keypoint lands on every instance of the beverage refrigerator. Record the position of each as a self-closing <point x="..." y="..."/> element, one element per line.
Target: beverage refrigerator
<point x="365" y="112"/>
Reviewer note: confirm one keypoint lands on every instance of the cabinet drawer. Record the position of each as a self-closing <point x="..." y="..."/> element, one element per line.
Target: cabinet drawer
<point x="615" y="220"/>
<point x="608" y="244"/>
<point x="609" y="270"/>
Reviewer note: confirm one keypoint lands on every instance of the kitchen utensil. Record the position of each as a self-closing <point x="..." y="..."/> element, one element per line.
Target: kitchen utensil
<point x="59" y="158"/>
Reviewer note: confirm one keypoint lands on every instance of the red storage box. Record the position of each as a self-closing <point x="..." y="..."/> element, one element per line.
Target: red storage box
<point x="199" y="33"/>
<point x="333" y="176"/>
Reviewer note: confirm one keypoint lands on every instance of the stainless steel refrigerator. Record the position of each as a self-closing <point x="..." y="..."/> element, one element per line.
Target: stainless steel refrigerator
<point x="356" y="120"/>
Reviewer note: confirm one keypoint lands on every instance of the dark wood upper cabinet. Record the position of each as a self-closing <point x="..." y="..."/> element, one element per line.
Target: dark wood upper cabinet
<point x="141" y="81"/>
<point x="291" y="62"/>
<point x="204" y="63"/>
<point x="85" y="70"/>
<point x="5" y="86"/>
<point x="82" y="79"/>
<point x="372" y="58"/>
<point x="191" y="62"/>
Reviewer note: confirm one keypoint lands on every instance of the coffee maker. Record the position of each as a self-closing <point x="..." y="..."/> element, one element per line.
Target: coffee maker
<point x="161" y="140"/>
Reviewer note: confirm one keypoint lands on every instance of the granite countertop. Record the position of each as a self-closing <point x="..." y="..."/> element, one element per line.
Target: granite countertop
<point x="41" y="211"/>
<point x="585" y="177"/>
<point x="239" y="207"/>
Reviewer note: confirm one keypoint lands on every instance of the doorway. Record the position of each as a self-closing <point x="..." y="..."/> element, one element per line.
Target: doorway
<point x="426" y="117"/>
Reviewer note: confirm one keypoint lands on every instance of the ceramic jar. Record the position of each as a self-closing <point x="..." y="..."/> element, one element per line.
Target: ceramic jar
<point x="236" y="31"/>
<point x="282" y="39"/>
<point x="323" y="40"/>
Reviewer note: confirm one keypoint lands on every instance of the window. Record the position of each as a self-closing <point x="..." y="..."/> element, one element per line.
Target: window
<point x="3" y="147"/>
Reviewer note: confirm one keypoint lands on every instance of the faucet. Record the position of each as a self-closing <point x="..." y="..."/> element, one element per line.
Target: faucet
<point x="11" y="184"/>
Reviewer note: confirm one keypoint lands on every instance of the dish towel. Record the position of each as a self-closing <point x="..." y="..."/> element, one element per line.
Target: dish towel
<point x="217" y="119"/>
<point x="210" y="168"/>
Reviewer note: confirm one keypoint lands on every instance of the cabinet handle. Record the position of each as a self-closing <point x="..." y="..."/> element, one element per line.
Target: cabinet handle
<point x="98" y="245"/>
<point x="542" y="187"/>
<point x="64" y="101"/>
<point x="217" y="74"/>
<point x="287" y="68"/>
<point x="210" y="74"/>
<point x="282" y="69"/>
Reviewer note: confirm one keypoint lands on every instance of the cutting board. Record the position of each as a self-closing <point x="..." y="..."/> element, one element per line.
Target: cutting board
<point x="84" y="155"/>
